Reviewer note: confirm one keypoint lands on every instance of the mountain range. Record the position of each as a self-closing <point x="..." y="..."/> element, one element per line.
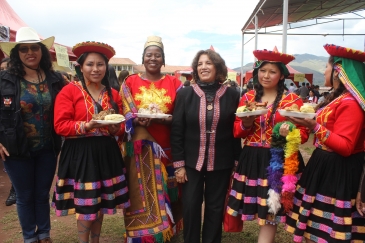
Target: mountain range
<point x="303" y="63"/>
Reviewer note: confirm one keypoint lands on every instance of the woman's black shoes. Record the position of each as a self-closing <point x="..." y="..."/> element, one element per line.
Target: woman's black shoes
<point x="11" y="198"/>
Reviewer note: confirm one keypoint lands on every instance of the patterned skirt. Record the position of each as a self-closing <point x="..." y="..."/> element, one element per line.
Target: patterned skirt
<point x="91" y="178"/>
<point x="324" y="204"/>
<point x="250" y="186"/>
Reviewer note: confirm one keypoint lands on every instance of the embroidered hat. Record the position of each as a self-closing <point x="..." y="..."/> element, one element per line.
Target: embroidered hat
<point x="351" y="70"/>
<point x="93" y="46"/>
<point x="154" y="41"/>
<point x="264" y="56"/>
<point x="26" y="35"/>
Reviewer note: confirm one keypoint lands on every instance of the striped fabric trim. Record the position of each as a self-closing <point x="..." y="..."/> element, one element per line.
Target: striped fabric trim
<point x="90" y="185"/>
<point x="203" y="129"/>
<point x="178" y="164"/>
<point x="249" y="182"/>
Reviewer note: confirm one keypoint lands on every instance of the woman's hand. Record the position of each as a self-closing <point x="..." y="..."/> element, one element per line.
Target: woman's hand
<point x="144" y="122"/>
<point x="247" y="121"/>
<point x="284" y="129"/>
<point x="360" y="206"/>
<point x="114" y="128"/>
<point x="180" y="175"/>
<point x="93" y="124"/>
<point x="310" y="123"/>
<point x="3" y="152"/>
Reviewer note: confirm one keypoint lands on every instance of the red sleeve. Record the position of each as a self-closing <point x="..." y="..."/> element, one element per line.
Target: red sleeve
<point x="349" y="121"/>
<point x="239" y="131"/>
<point x="64" y="117"/>
<point x="118" y="101"/>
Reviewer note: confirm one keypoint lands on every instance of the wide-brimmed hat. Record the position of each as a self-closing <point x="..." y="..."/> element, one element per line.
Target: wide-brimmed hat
<point x="26" y="35"/>
<point x="93" y="46"/>
<point x="349" y="64"/>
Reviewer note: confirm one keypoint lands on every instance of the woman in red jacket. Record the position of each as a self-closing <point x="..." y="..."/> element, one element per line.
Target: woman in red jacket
<point x="91" y="180"/>
<point x="324" y="204"/>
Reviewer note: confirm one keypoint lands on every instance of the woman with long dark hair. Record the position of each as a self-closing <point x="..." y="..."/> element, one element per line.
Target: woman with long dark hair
<point x="91" y="180"/>
<point x="28" y="143"/>
<point x="324" y="209"/>
<point x="257" y="189"/>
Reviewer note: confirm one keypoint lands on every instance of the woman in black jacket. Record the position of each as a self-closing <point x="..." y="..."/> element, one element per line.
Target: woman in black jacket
<point x="203" y="148"/>
<point x="28" y="143"/>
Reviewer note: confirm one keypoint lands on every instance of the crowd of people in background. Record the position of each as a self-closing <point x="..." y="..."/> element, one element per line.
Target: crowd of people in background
<point x="160" y="169"/>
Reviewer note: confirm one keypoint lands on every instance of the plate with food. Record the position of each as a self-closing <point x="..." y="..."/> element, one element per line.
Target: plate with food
<point x="252" y="109"/>
<point x="306" y="111"/>
<point x="108" y="117"/>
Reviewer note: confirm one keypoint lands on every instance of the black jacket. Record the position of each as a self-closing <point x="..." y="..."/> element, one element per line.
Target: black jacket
<point x="188" y="131"/>
<point x="12" y="134"/>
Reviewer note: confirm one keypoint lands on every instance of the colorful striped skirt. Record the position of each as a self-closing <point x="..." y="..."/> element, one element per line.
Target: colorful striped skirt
<point x="91" y="178"/>
<point x="248" y="196"/>
<point x="324" y="204"/>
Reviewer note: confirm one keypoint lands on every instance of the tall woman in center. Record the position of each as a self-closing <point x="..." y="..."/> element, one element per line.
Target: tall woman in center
<point x="203" y="147"/>
<point x="155" y="211"/>
<point x="261" y="159"/>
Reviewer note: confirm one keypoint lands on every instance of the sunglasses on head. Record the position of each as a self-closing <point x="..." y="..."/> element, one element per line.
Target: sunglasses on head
<point x="25" y="49"/>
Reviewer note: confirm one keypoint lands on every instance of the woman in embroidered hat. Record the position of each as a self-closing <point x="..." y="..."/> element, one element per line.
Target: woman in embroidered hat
<point x="325" y="209"/>
<point x="91" y="180"/>
<point x="261" y="190"/>
<point x="28" y="143"/>
<point x="148" y="157"/>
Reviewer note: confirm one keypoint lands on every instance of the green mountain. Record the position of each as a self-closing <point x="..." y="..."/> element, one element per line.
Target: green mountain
<point x="304" y="63"/>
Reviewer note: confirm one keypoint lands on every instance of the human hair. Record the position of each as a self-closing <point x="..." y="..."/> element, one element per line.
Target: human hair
<point x="5" y="59"/>
<point x="162" y="53"/>
<point x="122" y="75"/>
<point x="291" y="84"/>
<point x="16" y="66"/>
<point x="113" y="79"/>
<point x="187" y="83"/>
<point x="250" y="86"/>
<point x="218" y="62"/>
<point x="104" y="81"/>
<point x="336" y="92"/>
<point x="280" y="88"/>
<point x="311" y="91"/>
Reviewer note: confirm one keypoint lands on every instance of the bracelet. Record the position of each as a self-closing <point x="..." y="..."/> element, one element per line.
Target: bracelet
<point x="177" y="170"/>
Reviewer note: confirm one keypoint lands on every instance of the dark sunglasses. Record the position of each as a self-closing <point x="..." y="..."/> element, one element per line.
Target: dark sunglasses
<point x="25" y="49"/>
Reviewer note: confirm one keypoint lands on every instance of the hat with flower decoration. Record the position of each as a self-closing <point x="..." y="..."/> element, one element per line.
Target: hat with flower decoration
<point x="349" y="64"/>
<point x="93" y="46"/>
<point x="274" y="56"/>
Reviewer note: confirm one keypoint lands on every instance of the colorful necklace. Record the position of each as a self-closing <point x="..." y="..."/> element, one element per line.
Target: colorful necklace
<point x="282" y="170"/>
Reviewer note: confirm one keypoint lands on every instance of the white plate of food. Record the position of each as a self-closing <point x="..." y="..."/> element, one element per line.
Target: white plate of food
<point x="297" y="114"/>
<point x="311" y="104"/>
<point x="252" y="113"/>
<point x="109" y="122"/>
<point x="155" y="115"/>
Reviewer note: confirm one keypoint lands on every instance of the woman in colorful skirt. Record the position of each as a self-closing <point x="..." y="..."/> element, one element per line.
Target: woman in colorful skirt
<point x="324" y="209"/>
<point x="155" y="212"/>
<point x="258" y="191"/>
<point x="91" y="174"/>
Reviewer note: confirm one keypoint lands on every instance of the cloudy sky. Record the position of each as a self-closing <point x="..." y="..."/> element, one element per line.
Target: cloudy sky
<point x="185" y="27"/>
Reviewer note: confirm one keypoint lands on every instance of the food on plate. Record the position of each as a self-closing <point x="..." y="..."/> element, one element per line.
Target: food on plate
<point x="114" y="117"/>
<point x="293" y="107"/>
<point x="307" y="109"/>
<point x="252" y="106"/>
<point x="151" y="109"/>
<point x="102" y="114"/>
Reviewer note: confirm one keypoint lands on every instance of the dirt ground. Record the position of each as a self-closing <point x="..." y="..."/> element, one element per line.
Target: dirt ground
<point x="64" y="228"/>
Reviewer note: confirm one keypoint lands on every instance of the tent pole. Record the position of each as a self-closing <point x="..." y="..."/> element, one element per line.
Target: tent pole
<point x="285" y="23"/>
<point x="242" y="57"/>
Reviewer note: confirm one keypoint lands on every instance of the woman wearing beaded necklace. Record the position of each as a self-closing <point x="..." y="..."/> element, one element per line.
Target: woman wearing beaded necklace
<point x="257" y="185"/>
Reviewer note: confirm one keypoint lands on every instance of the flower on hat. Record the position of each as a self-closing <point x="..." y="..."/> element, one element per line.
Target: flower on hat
<point x="93" y="46"/>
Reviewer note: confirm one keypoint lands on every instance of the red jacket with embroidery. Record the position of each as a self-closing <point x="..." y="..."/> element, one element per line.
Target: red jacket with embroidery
<point x="341" y="126"/>
<point x="259" y="134"/>
<point x="74" y="107"/>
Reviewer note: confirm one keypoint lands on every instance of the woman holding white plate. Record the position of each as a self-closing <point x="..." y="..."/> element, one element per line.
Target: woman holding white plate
<point x="261" y="166"/>
<point x="91" y="174"/>
<point x="148" y="102"/>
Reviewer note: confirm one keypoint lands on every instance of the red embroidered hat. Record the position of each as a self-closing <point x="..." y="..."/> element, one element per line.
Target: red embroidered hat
<point x="345" y="52"/>
<point x="93" y="46"/>
<point x="273" y="56"/>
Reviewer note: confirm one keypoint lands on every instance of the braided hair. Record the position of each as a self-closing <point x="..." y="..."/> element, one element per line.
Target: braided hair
<point x="16" y="66"/>
<point x="104" y="81"/>
<point x="336" y="92"/>
<point x="280" y="91"/>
